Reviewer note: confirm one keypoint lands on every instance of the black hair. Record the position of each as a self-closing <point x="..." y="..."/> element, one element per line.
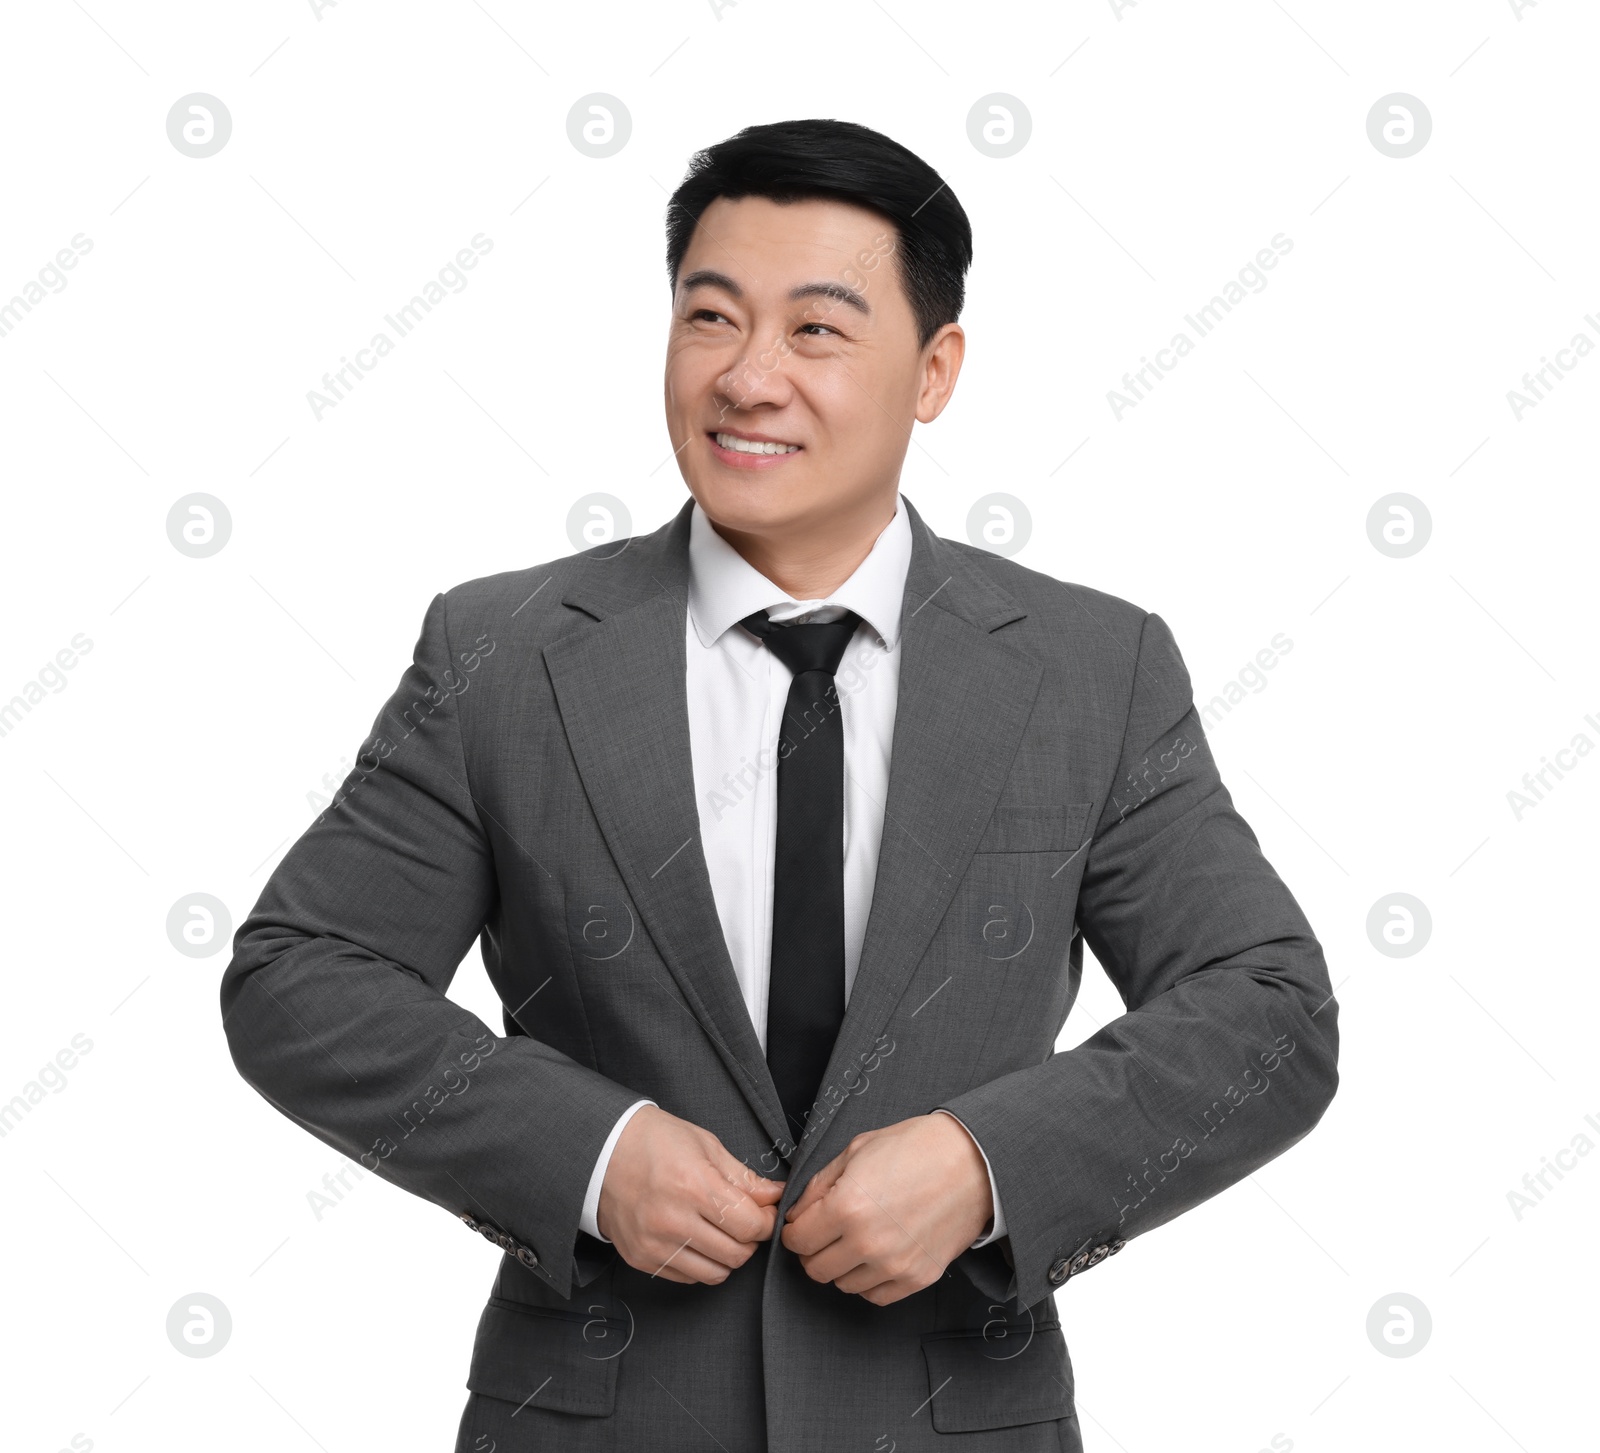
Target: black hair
<point x="786" y="161"/>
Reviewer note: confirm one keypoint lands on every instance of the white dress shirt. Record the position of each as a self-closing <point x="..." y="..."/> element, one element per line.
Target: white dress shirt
<point x="737" y="689"/>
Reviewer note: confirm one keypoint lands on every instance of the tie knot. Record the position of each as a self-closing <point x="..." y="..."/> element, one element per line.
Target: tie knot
<point x="818" y="646"/>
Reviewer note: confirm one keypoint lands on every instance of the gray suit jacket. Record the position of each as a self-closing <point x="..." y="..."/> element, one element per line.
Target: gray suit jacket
<point x="529" y="785"/>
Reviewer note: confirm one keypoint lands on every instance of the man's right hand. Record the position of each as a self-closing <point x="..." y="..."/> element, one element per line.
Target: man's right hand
<point x="676" y="1204"/>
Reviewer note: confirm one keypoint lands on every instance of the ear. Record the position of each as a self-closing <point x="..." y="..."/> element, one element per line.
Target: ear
<point x="941" y="366"/>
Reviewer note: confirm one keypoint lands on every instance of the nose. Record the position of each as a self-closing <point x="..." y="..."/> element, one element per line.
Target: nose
<point x="757" y="378"/>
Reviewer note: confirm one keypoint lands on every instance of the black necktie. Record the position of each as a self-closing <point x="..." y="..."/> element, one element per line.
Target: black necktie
<point x="805" y="999"/>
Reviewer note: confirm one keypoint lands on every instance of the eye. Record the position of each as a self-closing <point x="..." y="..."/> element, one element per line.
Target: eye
<point x="821" y="327"/>
<point x="708" y="313"/>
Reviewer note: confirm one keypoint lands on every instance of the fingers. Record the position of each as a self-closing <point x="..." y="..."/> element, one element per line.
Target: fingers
<point x="687" y="1265"/>
<point x="710" y="1220"/>
<point x="693" y="1250"/>
<point x="844" y="1236"/>
<point x="818" y="1186"/>
<point x="893" y="1290"/>
<point x="762" y="1191"/>
<point x="692" y="1247"/>
<point x="844" y="1265"/>
<point x="877" y="1262"/>
<point x="759" y="1188"/>
<point x="730" y="1213"/>
<point x="840" y="1258"/>
<point x="741" y="1202"/>
<point x="716" y="1245"/>
<point x="686" y="1209"/>
<point x="830" y="1215"/>
<point x="701" y="1214"/>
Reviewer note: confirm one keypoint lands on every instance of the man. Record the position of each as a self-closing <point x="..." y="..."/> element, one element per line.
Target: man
<point x="782" y="829"/>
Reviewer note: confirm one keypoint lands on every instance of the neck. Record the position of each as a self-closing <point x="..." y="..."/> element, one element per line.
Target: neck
<point x="811" y="562"/>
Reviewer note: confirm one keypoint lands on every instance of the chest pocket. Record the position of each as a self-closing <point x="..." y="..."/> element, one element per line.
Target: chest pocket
<point x="1022" y="888"/>
<point x="1045" y="828"/>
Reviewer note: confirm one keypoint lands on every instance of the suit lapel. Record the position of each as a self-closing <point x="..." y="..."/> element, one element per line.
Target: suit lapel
<point x="964" y="701"/>
<point x="619" y="683"/>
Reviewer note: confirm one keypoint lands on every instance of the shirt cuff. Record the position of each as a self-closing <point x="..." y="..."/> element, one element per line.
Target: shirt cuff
<point x="997" y="1227"/>
<point x="589" y="1221"/>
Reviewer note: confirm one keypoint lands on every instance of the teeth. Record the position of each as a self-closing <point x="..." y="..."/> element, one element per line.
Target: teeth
<point x="751" y="446"/>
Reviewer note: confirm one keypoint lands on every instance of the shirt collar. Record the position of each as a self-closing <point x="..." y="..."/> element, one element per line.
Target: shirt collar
<point x="724" y="587"/>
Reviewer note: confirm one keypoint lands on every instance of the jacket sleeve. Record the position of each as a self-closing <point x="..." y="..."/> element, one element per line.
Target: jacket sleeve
<point x="1228" y="1052"/>
<point x="334" y="1002"/>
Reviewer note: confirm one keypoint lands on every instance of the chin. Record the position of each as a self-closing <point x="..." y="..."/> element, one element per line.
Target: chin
<point x="751" y="506"/>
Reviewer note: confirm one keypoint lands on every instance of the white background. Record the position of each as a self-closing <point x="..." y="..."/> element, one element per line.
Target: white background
<point x="1170" y="143"/>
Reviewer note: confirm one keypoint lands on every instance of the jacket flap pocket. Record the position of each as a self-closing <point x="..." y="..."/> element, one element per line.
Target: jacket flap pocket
<point x="978" y="1382"/>
<point x="1048" y="827"/>
<point x="565" y="1361"/>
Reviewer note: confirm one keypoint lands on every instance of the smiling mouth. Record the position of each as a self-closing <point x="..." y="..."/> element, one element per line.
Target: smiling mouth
<point x="734" y="444"/>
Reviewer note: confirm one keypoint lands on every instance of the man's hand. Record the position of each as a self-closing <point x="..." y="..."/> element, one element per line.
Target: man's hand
<point x="894" y="1208"/>
<point x="677" y="1204"/>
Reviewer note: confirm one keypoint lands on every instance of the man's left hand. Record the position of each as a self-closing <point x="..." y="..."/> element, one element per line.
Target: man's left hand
<point x="894" y="1208"/>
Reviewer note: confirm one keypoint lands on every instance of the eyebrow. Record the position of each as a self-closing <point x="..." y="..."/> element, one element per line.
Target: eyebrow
<point x="709" y="277"/>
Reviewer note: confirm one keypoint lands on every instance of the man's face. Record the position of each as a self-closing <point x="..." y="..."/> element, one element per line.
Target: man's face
<point x="790" y="326"/>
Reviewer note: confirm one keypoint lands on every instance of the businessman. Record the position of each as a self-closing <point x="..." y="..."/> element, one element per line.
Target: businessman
<point x="782" y="830"/>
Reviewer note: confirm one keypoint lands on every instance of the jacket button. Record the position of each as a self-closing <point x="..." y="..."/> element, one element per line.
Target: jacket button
<point x="1115" y="1247"/>
<point x="1059" y="1273"/>
<point x="1098" y="1255"/>
<point x="526" y="1257"/>
<point x="1080" y="1261"/>
<point x="470" y="1220"/>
